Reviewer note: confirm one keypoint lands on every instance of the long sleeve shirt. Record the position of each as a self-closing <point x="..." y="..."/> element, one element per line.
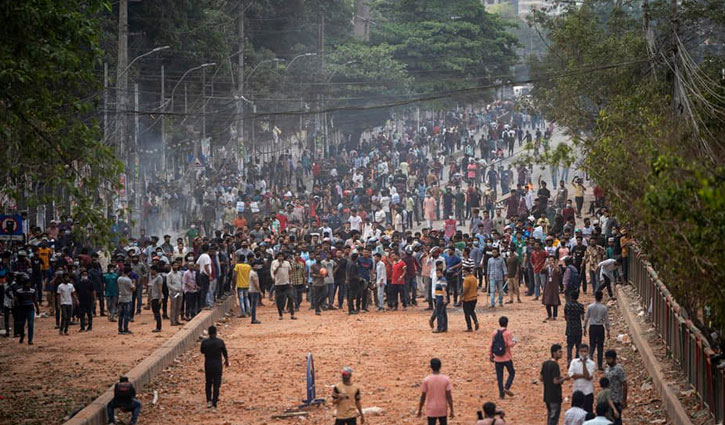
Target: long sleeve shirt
<point x="189" y="281"/>
<point x="597" y="314"/>
<point x="381" y="276"/>
<point x="496" y="269"/>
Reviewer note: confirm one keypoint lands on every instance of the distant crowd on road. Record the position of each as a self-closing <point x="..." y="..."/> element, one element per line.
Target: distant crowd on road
<point x="345" y="240"/>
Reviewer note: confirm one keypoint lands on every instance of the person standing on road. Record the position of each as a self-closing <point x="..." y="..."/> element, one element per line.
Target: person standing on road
<point x="597" y="318"/>
<point x="550" y="297"/>
<point x="213" y="349"/>
<point x="573" y="314"/>
<point x="68" y="299"/>
<point x="581" y="370"/>
<point x="110" y="283"/>
<point x="513" y="275"/>
<point x="346" y="398"/>
<point x="502" y="341"/>
<point x="381" y="278"/>
<point x="470" y="297"/>
<point x="26" y="299"/>
<point x="551" y="378"/>
<point x="436" y="395"/>
<point x="280" y="272"/>
<point x="175" y="284"/>
<point x="617" y="383"/>
<point x="496" y="271"/>
<point x="156" y="286"/>
<point x="125" y="296"/>
<point x="86" y="293"/>
<point x="240" y="277"/>
<point x="254" y="292"/>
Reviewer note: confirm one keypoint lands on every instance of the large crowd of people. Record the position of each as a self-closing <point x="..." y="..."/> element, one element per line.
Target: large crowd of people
<point x="354" y="232"/>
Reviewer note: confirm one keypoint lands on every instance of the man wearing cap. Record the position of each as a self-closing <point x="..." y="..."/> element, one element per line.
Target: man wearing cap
<point x="346" y="398"/>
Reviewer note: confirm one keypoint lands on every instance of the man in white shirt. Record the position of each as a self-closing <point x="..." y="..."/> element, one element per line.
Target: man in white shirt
<point x="381" y="278"/>
<point x="355" y="220"/>
<point x="283" y="290"/>
<point x="601" y="419"/>
<point x="205" y="269"/>
<point x="583" y="376"/>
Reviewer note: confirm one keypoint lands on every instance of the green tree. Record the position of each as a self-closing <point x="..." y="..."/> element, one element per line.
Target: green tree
<point x="646" y="115"/>
<point x="52" y="149"/>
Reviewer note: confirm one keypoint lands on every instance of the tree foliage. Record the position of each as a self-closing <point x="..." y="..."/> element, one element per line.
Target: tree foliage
<point x="652" y="148"/>
<point x="52" y="149"/>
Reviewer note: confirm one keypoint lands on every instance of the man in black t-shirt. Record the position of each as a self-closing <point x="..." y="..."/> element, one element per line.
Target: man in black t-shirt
<point x="552" y="380"/>
<point x="86" y="292"/>
<point x="26" y="301"/>
<point x="213" y="349"/>
<point x="124" y="398"/>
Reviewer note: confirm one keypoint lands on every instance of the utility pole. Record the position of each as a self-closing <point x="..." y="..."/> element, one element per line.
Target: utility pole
<point x="203" y="103"/>
<point x="136" y="162"/>
<point x="361" y="21"/>
<point x="163" y="123"/>
<point x="321" y="54"/>
<point x="239" y="147"/>
<point x="122" y="78"/>
<point x="105" y="101"/>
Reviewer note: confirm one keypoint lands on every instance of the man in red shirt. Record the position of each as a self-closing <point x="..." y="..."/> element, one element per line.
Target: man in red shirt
<point x="397" y="282"/>
<point x="538" y="261"/>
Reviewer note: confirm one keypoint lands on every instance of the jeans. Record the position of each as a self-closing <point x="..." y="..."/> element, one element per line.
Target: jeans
<point x="496" y="285"/>
<point x="441" y="314"/>
<point x="353" y="297"/>
<point x="253" y="300"/>
<point x="156" y="309"/>
<point x="101" y="305"/>
<point x="124" y="315"/>
<point x="27" y="313"/>
<point x="66" y="310"/>
<point x="213" y="382"/>
<point x="135" y="408"/>
<point x="411" y="290"/>
<point x="210" y="293"/>
<point x="453" y="286"/>
<point x="593" y="280"/>
<point x="330" y="294"/>
<point x="539" y="282"/>
<point x="596" y="342"/>
<point x="319" y="293"/>
<point x="243" y="298"/>
<point x="112" y="303"/>
<point x="393" y="296"/>
<point x="86" y="311"/>
<point x="606" y="284"/>
<point x="381" y="295"/>
<point x="469" y="310"/>
<point x="509" y="365"/>
<point x="553" y="411"/>
<point x="442" y="420"/>
<point x="346" y="421"/>
<point x="284" y="294"/>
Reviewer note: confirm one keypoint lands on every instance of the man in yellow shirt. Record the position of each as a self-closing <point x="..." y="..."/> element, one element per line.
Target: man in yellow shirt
<point x="470" y="297"/>
<point x="241" y="278"/>
<point x="346" y="397"/>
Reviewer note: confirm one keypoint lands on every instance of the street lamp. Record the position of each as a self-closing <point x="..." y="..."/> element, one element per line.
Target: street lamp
<point x="204" y="65"/>
<point x="299" y="56"/>
<point x="264" y="61"/>
<point x="157" y="49"/>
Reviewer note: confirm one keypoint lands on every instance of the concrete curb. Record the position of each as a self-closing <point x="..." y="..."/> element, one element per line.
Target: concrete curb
<point x="144" y="372"/>
<point x="677" y="413"/>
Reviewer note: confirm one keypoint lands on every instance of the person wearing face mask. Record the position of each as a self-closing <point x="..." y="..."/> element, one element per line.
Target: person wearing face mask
<point x="496" y="271"/>
<point x="86" y="292"/>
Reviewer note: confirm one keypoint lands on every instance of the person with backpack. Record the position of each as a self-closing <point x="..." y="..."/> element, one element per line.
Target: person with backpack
<point x="124" y="398"/>
<point x="502" y="341"/>
<point x="571" y="279"/>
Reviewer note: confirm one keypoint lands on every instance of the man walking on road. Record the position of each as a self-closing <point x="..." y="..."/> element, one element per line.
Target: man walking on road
<point x="436" y="395"/>
<point x="500" y="354"/>
<point x="213" y="349"/>
<point x="581" y="370"/>
<point x="552" y="380"/>
<point x="617" y="383"/>
<point x="597" y="318"/>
